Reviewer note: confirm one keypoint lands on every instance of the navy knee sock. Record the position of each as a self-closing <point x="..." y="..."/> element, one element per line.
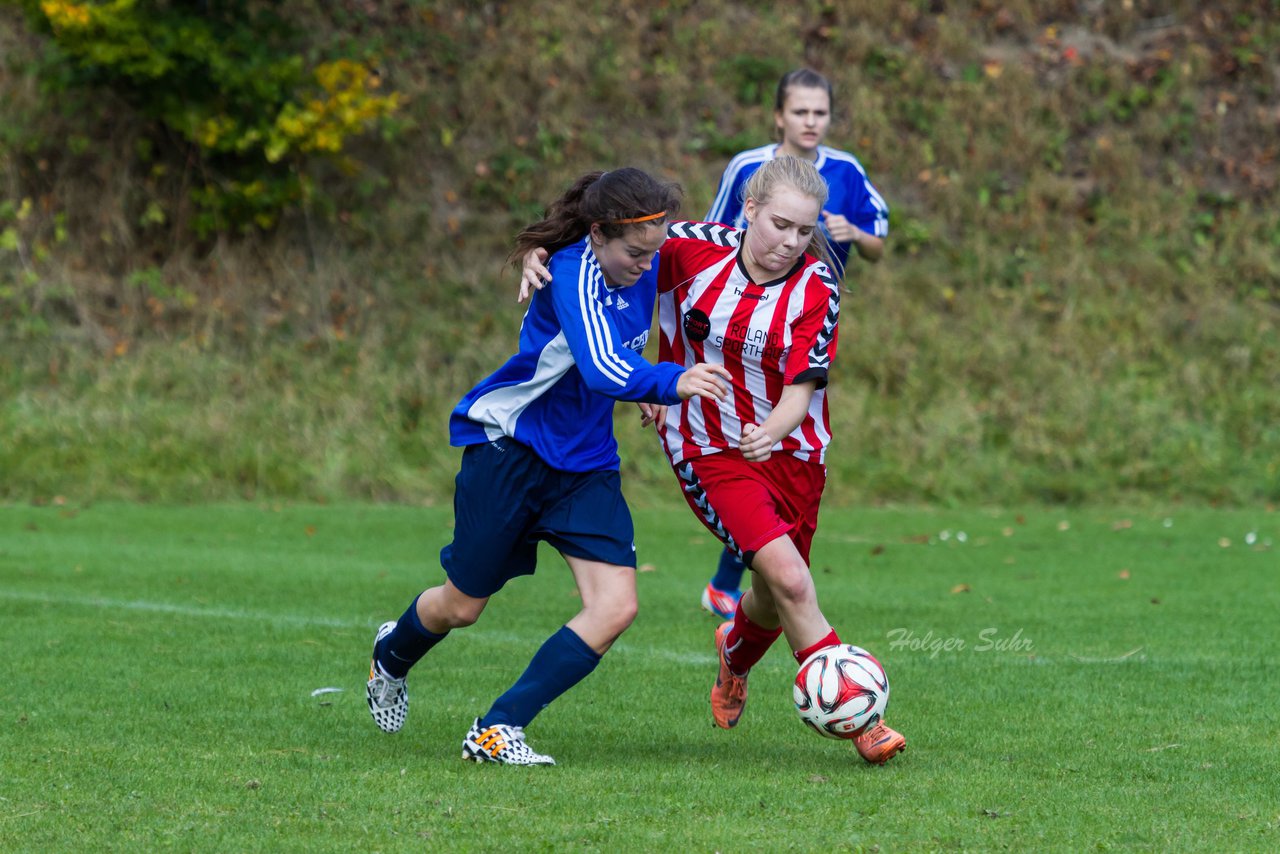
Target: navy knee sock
<point x="728" y="575"/>
<point x="563" y="661"/>
<point x="407" y="643"/>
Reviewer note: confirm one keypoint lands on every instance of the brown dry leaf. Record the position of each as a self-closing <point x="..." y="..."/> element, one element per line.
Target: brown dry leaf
<point x="1064" y="525"/>
<point x="1224" y="543"/>
<point x="1123" y="575"/>
<point x="878" y="550"/>
<point x="961" y="588"/>
<point x="1008" y="532"/>
<point x="1122" y="525"/>
<point x="646" y="567"/>
<point x="311" y="530"/>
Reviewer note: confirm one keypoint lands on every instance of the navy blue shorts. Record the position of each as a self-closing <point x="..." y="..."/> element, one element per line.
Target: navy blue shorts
<point x="507" y="499"/>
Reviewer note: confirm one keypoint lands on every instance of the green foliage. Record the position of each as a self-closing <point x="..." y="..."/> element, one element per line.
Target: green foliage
<point x="753" y="79"/>
<point x="231" y="80"/>
<point x="1079" y="300"/>
<point x="26" y="299"/>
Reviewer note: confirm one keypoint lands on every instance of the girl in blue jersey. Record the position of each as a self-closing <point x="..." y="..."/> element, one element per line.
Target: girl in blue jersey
<point x="540" y="461"/>
<point x="855" y="217"/>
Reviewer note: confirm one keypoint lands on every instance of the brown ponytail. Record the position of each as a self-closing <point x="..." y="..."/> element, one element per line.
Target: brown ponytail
<point x="618" y="200"/>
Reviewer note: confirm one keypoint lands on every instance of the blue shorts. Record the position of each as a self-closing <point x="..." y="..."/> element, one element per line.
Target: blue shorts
<point x="507" y="499"/>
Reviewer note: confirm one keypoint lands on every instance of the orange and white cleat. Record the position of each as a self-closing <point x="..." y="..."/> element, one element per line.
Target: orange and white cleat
<point x="878" y="744"/>
<point x="729" y="694"/>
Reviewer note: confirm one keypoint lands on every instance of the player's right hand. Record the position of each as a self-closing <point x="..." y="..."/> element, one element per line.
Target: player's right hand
<point x="704" y="380"/>
<point x="756" y="445"/>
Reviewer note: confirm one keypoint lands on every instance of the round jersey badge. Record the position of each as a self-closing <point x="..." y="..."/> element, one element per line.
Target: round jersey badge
<point x="697" y="325"/>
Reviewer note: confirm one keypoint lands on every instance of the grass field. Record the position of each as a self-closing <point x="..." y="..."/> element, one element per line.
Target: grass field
<point x="1067" y="680"/>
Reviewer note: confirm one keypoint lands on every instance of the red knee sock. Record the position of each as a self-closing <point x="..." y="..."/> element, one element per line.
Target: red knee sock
<point x="830" y="640"/>
<point x="747" y="643"/>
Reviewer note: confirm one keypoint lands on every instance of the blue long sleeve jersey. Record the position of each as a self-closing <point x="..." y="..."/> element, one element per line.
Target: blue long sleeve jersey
<point x="580" y="346"/>
<point x="851" y="194"/>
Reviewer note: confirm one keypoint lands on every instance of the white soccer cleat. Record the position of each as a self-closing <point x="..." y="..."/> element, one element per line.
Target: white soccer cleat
<point x="502" y="744"/>
<point x="388" y="696"/>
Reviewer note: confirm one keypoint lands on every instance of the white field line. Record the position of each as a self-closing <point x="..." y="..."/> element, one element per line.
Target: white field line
<point x="181" y="610"/>
<point x="479" y="634"/>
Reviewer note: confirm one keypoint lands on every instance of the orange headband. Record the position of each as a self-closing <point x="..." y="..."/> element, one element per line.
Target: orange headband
<point x="648" y="218"/>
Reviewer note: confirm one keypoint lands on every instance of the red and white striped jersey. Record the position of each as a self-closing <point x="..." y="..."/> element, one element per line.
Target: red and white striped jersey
<point x="768" y="335"/>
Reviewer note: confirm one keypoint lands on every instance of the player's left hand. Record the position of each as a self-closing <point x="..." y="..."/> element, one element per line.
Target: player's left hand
<point x="534" y="275"/>
<point x="653" y="413"/>
<point x="756" y="445"/>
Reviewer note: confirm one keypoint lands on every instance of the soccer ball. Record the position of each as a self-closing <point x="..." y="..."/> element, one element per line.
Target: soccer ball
<point x="840" y="691"/>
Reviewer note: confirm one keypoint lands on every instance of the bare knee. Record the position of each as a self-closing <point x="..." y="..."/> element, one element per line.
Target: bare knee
<point x="605" y="620"/>
<point x="443" y="608"/>
<point x="791" y="585"/>
<point x="624" y="613"/>
<point x="463" y="614"/>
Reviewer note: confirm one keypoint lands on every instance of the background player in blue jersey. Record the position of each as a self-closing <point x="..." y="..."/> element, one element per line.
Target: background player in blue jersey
<point x="855" y="217"/>
<point x="541" y="462"/>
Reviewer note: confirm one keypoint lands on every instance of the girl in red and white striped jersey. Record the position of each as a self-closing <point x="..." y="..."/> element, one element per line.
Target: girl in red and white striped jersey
<point x="751" y="465"/>
<point x="855" y="219"/>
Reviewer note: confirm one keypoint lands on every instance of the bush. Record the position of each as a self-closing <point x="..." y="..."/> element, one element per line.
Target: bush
<point x="232" y="81"/>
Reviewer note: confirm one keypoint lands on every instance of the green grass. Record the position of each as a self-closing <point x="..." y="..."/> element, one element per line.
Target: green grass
<point x="160" y="664"/>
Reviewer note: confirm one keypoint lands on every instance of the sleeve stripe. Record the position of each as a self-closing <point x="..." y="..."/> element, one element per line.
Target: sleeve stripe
<point x="729" y="181"/>
<point x="606" y="360"/>
<point x="820" y="357"/>
<point x="711" y="232"/>
<point x="877" y="200"/>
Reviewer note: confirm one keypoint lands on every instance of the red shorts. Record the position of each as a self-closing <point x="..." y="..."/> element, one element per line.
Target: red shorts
<point x="747" y="505"/>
